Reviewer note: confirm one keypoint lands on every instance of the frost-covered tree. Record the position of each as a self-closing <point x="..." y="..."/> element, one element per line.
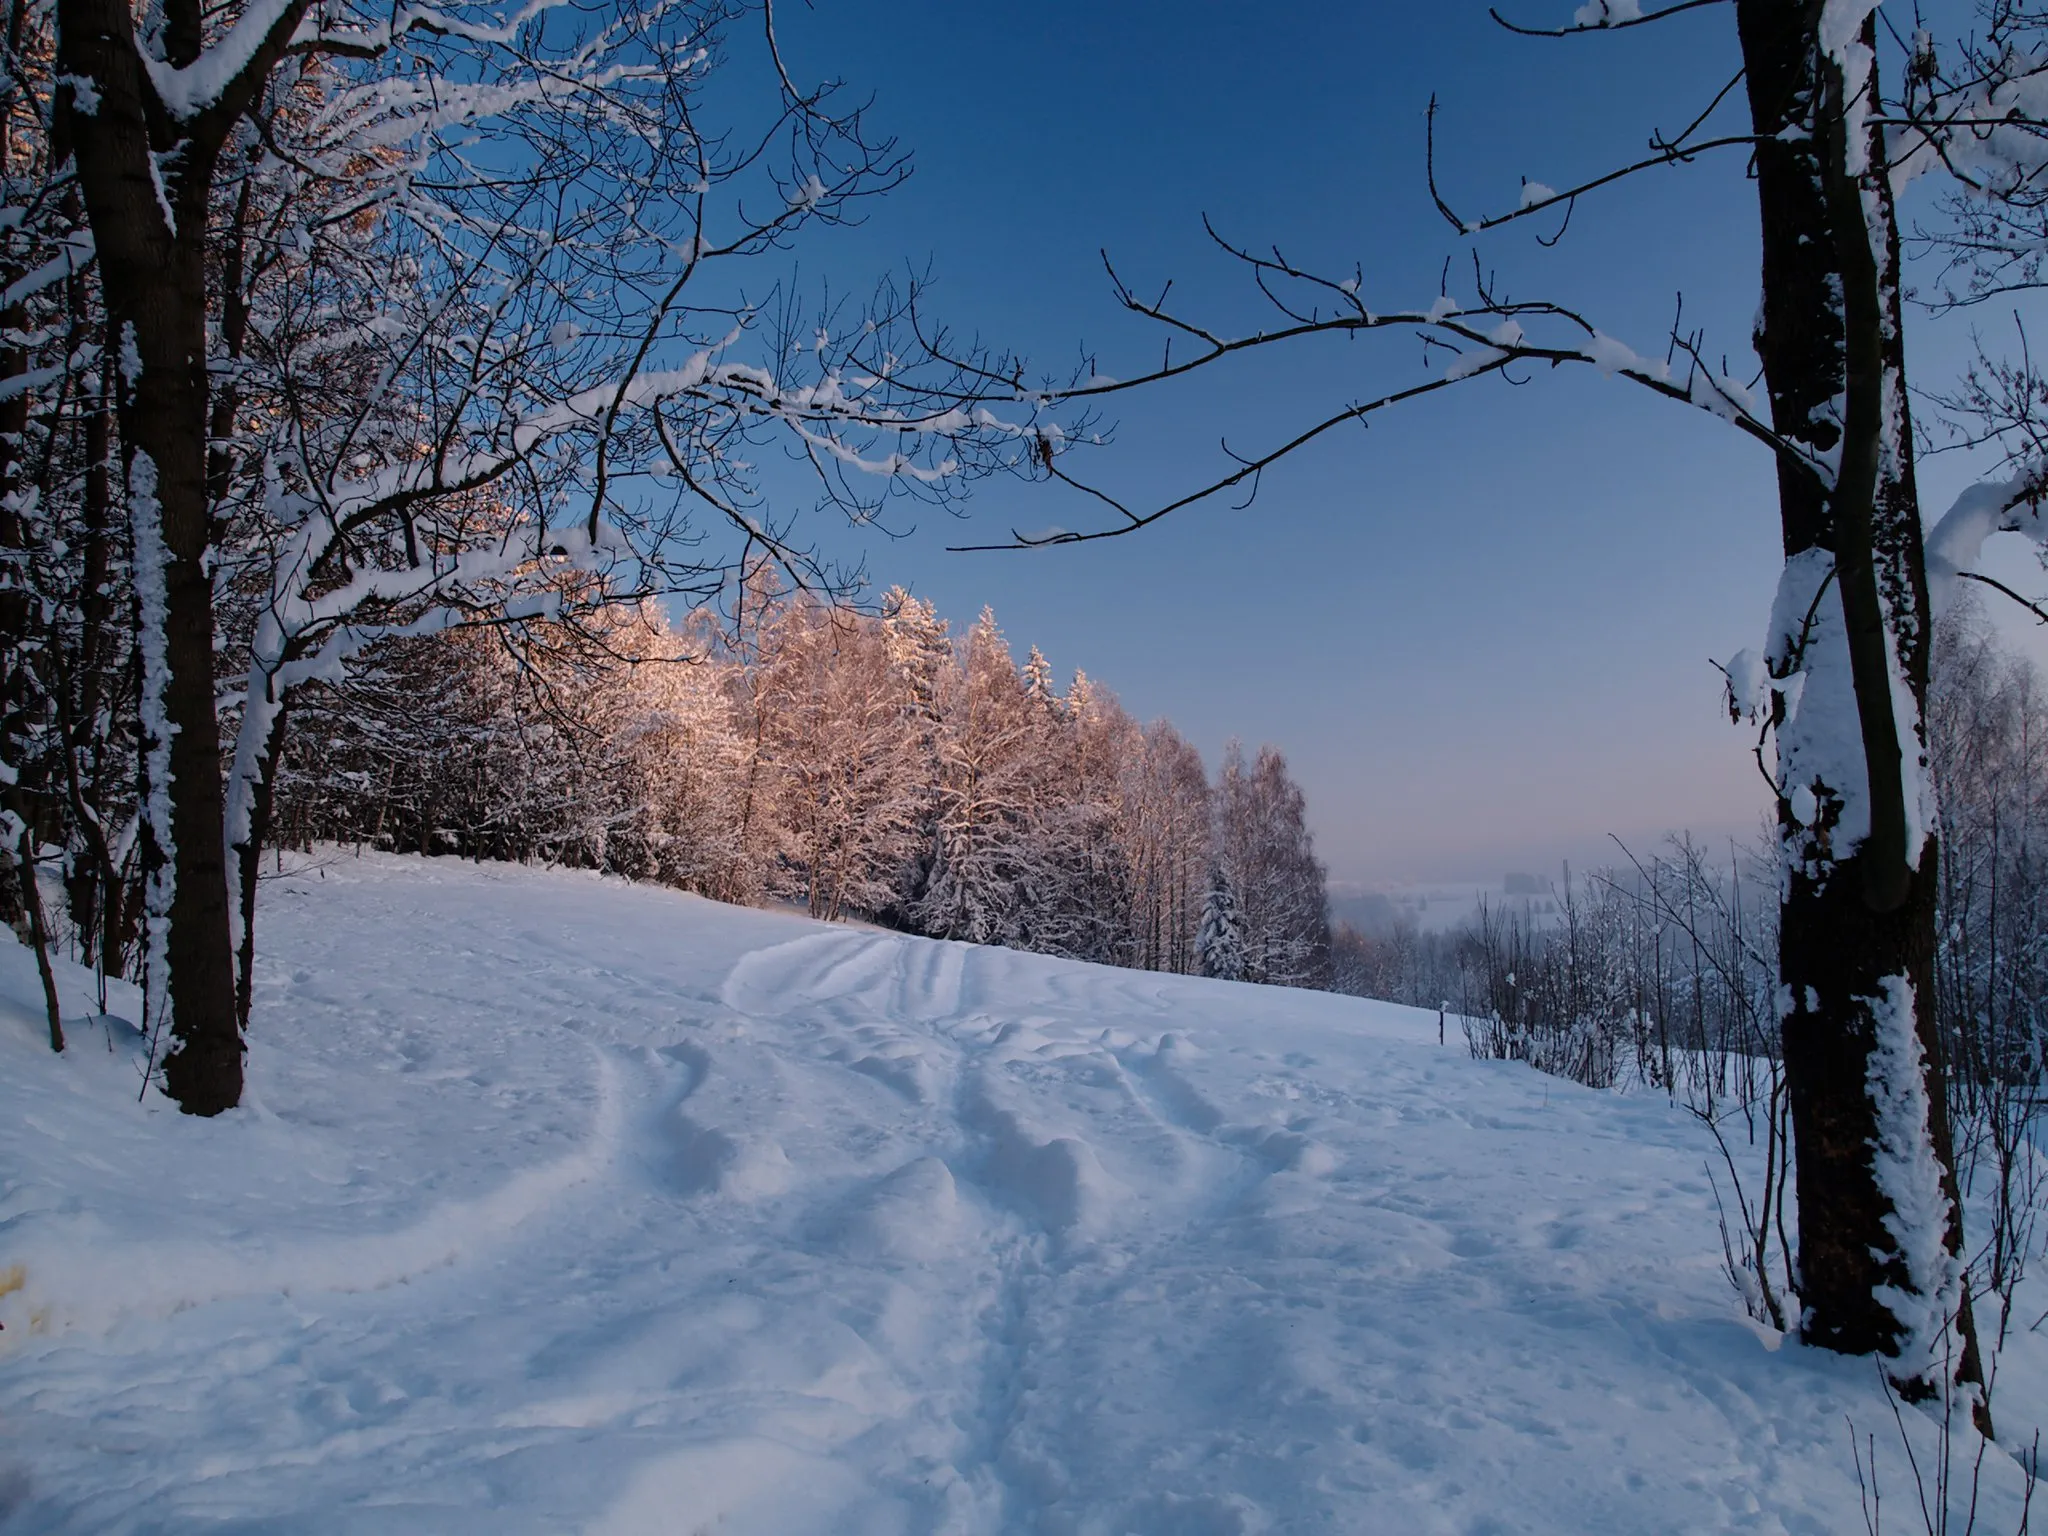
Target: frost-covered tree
<point x="859" y="763"/>
<point x="1079" y="866"/>
<point x="1264" y="847"/>
<point x="980" y="884"/>
<point x="839" y="745"/>
<point x="921" y="660"/>
<point x="1220" y="942"/>
<point x="1039" y="687"/>
<point x="661" y="755"/>
<point x="1988" y="740"/>
<point x="615" y="747"/>
<point x="1166" y="826"/>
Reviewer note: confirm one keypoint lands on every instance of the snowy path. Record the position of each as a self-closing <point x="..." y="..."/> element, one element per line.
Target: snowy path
<point x="574" y="1207"/>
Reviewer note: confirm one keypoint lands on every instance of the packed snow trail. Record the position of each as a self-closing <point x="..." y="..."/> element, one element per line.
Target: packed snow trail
<point x="561" y="1205"/>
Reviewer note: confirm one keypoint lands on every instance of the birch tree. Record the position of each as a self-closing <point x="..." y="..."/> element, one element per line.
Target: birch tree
<point x="1166" y="824"/>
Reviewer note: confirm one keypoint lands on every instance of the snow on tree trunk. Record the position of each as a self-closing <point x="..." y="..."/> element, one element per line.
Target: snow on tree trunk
<point x="159" y="839"/>
<point x="148" y="215"/>
<point x="1909" y="1175"/>
<point x="1847" y="674"/>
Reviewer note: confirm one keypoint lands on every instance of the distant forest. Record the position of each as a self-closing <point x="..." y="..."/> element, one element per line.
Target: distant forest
<point x="871" y="766"/>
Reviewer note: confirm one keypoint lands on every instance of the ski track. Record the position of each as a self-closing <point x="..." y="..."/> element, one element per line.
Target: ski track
<point x="568" y="1206"/>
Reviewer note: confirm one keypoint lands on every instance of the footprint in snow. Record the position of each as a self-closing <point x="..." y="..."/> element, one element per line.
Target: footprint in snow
<point x="912" y="1214"/>
<point x="706" y="1160"/>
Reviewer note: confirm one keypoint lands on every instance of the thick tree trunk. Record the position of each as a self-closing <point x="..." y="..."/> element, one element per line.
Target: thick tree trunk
<point x="204" y="1070"/>
<point x="150" y="239"/>
<point x="1856" y="920"/>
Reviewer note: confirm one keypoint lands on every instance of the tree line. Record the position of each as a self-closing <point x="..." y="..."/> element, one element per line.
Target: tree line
<point x="872" y="766"/>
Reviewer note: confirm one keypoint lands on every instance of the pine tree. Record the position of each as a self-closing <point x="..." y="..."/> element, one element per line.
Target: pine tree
<point x="1219" y="945"/>
<point x="921" y="660"/>
<point x="1038" y="685"/>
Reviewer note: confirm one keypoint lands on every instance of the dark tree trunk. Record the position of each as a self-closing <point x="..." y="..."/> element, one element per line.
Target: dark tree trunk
<point x="39" y="937"/>
<point x="94" y="883"/>
<point x="149" y="223"/>
<point x="249" y="859"/>
<point x="204" y="1070"/>
<point x="1852" y="920"/>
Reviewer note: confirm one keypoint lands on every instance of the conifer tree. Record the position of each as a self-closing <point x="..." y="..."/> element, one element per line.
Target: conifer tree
<point x="921" y="661"/>
<point x="1038" y="684"/>
<point x="1220" y="944"/>
<point x="978" y="888"/>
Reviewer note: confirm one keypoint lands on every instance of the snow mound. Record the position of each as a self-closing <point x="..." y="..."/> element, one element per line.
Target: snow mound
<point x="913" y="1214"/>
<point x="562" y="1205"/>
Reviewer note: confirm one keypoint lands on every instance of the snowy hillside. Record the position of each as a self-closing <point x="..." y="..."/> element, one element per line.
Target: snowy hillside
<point x="566" y="1206"/>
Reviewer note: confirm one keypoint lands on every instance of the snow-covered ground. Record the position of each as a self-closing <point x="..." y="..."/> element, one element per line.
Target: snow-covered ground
<point x="561" y="1205"/>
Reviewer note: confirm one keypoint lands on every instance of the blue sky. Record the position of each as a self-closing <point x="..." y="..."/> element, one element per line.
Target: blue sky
<point x="1479" y="630"/>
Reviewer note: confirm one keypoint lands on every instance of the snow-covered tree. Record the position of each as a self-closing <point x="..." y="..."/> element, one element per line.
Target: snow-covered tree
<point x="1039" y="688"/>
<point x="1080" y="867"/>
<point x="981" y="880"/>
<point x="840" y="747"/>
<point x="921" y="660"/>
<point x="1264" y="847"/>
<point x="1220" y="943"/>
<point x="1166" y="824"/>
<point x="662" y="755"/>
<point x="406" y="321"/>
